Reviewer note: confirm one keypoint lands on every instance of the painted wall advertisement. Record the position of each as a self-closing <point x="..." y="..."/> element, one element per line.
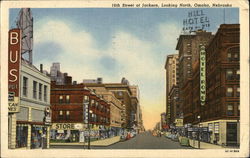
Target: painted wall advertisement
<point x="14" y="59"/>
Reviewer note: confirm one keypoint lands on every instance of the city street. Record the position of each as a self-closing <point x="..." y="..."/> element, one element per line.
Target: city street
<point x="141" y="141"/>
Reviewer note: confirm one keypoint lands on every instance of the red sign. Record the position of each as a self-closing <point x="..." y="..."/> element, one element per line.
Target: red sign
<point x="14" y="59"/>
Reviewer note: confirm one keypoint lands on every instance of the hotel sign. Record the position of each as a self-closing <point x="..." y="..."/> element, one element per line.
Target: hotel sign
<point x="14" y="60"/>
<point x="196" y="20"/>
<point x="202" y="75"/>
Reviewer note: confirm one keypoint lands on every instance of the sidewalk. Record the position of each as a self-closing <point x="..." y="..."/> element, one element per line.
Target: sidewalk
<point x="103" y="142"/>
<point x="203" y="145"/>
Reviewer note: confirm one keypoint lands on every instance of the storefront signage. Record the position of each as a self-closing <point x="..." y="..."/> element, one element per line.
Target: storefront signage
<point x="196" y="20"/>
<point x="14" y="58"/>
<point x="210" y="127"/>
<point x="179" y="122"/>
<point x="202" y="75"/>
<point x="67" y="126"/>
<point x="216" y="127"/>
<point x="47" y="116"/>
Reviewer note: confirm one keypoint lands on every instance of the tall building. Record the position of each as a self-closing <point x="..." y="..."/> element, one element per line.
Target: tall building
<point x="188" y="46"/>
<point x="115" y="106"/>
<point x="221" y="113"/>
<point x="172" y="78"/>
<point x="59" y="77"/>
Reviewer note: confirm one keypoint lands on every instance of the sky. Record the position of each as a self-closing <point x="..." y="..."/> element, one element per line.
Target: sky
<point x="114" y="43"/>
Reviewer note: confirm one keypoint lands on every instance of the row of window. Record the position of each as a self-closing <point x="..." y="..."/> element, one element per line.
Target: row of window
<point x="42" y="90"/>
<point x="231" y="110"/>
<point x="232" y="74"/>
<point x="230" y="92"/>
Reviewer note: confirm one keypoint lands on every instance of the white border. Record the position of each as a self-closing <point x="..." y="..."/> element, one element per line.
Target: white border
<point x="244" y="81"/>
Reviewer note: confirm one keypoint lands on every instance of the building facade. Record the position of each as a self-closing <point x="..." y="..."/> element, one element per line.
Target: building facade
<point x="188" y="46"/>
<point x="29" y="128"/>
<point x="172" y="77"/>
<point x="221" y="113"/>
<point x="115" y="106"/>
<point x="73" y="117"/>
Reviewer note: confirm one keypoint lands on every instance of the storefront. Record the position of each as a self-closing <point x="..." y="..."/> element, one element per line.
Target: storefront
<point x="21" y="135"/>
<point x="66" y="132"/>
<point x="38" y="136"/>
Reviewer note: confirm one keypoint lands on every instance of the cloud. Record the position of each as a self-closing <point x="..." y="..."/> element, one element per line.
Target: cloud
<point x="126" y="56"/>
<point x="169" y="33"/>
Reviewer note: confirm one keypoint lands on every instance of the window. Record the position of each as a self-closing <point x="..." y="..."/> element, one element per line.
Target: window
<point x="229" y="74"/>
<point x="34" y="89"/>
<point x="25" y="86"/>
<point x="229" y="92"/>
<point x="67" y="115"/>
<point x="60" y="114"/>
<point x="92" y="102"/>
<point x="230" y="109"/>
<point x="236" y="56"/>
<point x="229" y="56"/>
<point x="45" y="93"/>
<point x="238" y="74"/>
<point x="238" y="104"/>
<point x="67" y="99"/>
<point x="60" y="99"/>
<point x="120" y="93"/>
<point x="238" y="92"/>
<point x="40" y="91"/>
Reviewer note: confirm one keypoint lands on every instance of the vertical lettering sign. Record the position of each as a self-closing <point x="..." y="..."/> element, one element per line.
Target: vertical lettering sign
<point x="14" y="58"/>
<point x="202" y="75"/>
<point x="196" y="20"/>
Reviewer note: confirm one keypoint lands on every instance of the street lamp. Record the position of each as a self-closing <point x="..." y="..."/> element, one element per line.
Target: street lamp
<point x="199" y="118"/>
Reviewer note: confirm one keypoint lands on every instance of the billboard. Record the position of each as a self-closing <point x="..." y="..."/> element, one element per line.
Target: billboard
<point x="14" y="59"/>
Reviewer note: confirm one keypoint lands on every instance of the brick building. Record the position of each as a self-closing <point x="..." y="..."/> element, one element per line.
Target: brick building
<point x="70" y="113"/>
<point x="221" y="113"/>
<point x="188" y="47"/>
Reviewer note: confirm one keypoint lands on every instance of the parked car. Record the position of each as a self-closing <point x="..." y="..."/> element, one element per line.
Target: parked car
<point x="174" y="137"/>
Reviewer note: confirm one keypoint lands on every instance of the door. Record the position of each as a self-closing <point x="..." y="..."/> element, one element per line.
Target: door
<point x="231" y="133"/>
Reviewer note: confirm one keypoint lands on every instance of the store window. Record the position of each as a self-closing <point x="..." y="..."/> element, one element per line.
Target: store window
<point x="45" y="93"/>
<point x="229" y="74"/>
<point x="21" y="136"/>
<point x="40" y="91"/>
<point x="38" y="137"/>
<point x="67" y="99"/>
<point x="25" y="86"/>
<point x="34" y="89"/>
<point x="229" y="92"/>
<point x="230" y="109"/>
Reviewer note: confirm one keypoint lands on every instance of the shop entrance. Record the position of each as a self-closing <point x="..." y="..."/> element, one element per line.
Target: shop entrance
<point x="21" y="136"/>
<point x="231" y="133"/>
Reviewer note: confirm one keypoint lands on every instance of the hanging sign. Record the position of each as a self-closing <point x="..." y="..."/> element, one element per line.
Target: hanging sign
<point x="14" y="60"/>
<point x="202" y="75"/>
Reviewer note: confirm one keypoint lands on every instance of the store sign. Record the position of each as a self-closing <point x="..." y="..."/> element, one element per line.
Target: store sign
<point x="210" y="127"/>
<point x="47" y="115"/>
<point x="202" y="75"/>
<point x="64" y="126"/>
<point x="216" y="127"/>
<point x="14" y="60"/>
<point x="196" y="20"/>
<point x="179" y="122"/>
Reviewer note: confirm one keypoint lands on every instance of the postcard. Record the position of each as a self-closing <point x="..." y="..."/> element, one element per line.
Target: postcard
<point x="124" y="78"/>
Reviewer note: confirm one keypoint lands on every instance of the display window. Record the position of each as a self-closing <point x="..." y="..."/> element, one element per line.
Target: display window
<point x="21" y="136"/>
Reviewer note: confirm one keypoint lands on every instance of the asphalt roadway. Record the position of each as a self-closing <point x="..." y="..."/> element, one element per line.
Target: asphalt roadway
<point x="142" y="141"/>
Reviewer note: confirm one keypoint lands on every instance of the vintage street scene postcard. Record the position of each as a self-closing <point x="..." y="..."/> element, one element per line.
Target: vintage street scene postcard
<point x="124" y="78"/>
